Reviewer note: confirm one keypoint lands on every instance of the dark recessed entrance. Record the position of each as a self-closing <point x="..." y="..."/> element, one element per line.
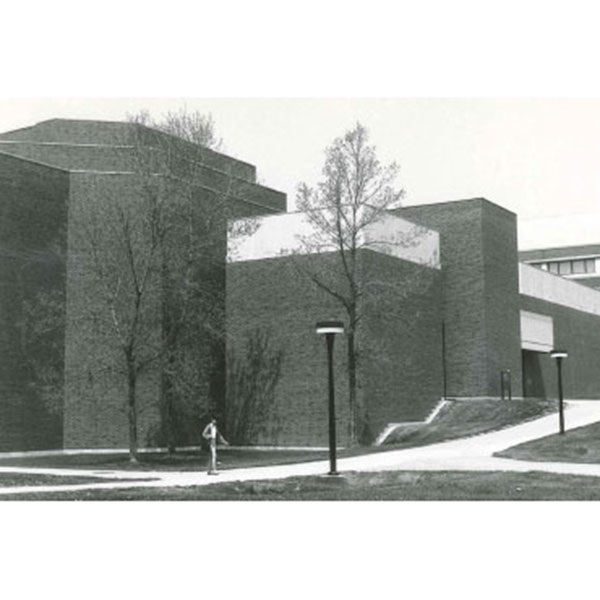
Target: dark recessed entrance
<point x="533" y="379"/>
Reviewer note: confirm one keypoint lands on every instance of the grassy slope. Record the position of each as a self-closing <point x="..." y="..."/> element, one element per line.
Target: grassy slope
<point x="466" y="418"/>
<point x="581" y="445"/>
<point x="367" y="486"/>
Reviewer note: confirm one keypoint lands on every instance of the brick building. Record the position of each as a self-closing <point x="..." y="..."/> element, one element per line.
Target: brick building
<point x="55" y="387"/>
<point x="272" y="307"/>
<point x="454" y="309"/>
<point x="477" y="313"/>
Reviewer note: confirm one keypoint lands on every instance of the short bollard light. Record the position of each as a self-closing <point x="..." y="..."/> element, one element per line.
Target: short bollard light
<point x="558" y="355"/>
<point x="330" y="329"/>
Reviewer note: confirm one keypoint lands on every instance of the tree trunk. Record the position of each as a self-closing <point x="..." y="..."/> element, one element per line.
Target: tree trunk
<point x="132" y="409"/>
<point x="170" y="425"/>
<point x="168" y="411"/>
<point x="352" y="389"/>
<point x="359" y="430"/>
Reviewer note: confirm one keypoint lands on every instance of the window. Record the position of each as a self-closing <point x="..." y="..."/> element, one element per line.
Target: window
<point x="564" y="267"/>
<point x="590" y="265"/>
<point x="578" y="267"/>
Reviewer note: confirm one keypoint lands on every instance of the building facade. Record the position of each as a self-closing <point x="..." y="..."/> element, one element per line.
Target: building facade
<point x="61" y="380"/>
<point x="449" y="314"/>
<point x="479" y="319"/>
<point x="276" y="363"/>
<point x="579" y="263"/>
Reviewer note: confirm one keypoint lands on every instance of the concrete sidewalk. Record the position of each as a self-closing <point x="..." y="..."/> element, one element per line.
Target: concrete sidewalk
<point x="467" y="454"/>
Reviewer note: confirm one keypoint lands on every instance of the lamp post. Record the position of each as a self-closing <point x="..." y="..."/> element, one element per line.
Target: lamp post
<point x="559" y="355"/>
<point x="329" y="329"/>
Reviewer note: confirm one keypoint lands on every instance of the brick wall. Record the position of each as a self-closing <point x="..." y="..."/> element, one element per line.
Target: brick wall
<point x="277" y="364"/>
<point x="95" y="374"/>
<point x="127" y="159"/>
<point x="480" y="288"/>
<point x="75" y="158"/>
<point x="503" y="327"/>
<point x="68" y="131"/>
<point x="96" y="385"/>
<point x="401" y="340"/>
<point x="42" y="207"/>
<point x="579" y="333"/>
<point x="33" y="201"/>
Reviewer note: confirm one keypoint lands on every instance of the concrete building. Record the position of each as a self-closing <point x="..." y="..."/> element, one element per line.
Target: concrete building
<point x="447" y="313"/>
<point x="579" y="263"/>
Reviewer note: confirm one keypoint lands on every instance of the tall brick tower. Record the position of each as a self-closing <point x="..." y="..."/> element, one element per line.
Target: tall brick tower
<point x="478" y="248"/>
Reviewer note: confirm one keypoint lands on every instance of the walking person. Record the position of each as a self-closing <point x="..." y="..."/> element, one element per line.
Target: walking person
<point x="212" y="435"/>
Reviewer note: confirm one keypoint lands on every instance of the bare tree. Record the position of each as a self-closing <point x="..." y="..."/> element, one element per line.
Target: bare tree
<point x="194" y="126"/>
<point x="153" y="248"/>
<point x="355" y="194"/>
<point x="192" y="260"/>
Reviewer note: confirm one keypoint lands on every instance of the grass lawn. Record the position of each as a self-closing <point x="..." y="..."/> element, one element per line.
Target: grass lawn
<point x="396" y="485"/>
<point x="581" y="445"/>
<point x="180" y="461"/>
<point x="458" y="419"/>
<point x="465" y="418"/>
<point x="32" y="479"/>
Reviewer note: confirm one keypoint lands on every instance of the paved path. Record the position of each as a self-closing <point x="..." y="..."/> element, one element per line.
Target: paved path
<point x="467" y="454"/>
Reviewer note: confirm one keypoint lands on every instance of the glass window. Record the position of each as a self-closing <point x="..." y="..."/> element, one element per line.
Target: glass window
<point x="553" y="267"/>
<point x="564" y="267"/>
<point x="578" y="267"/>
<point x="590" y="265"/>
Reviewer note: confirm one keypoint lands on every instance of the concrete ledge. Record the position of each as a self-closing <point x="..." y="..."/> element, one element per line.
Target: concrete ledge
<point x="557" y="290"/>
<point x="391" y="427"/>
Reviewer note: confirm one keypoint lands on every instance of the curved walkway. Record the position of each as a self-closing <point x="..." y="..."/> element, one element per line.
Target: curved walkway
<point x="466" y="454"/>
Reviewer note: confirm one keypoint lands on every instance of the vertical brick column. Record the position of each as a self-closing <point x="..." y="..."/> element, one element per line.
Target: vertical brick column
<point x="479" y="259"/>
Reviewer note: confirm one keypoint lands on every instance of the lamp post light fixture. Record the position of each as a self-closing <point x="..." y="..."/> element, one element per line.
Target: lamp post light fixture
<point x="559" y="355"/>
<point x="329" y="329"/>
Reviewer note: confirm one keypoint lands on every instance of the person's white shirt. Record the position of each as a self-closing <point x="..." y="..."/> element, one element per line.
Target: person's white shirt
<point x="210" y="431"/>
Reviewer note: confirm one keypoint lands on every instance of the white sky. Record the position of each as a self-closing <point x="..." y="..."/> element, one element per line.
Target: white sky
<point x="538" y="158"/>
